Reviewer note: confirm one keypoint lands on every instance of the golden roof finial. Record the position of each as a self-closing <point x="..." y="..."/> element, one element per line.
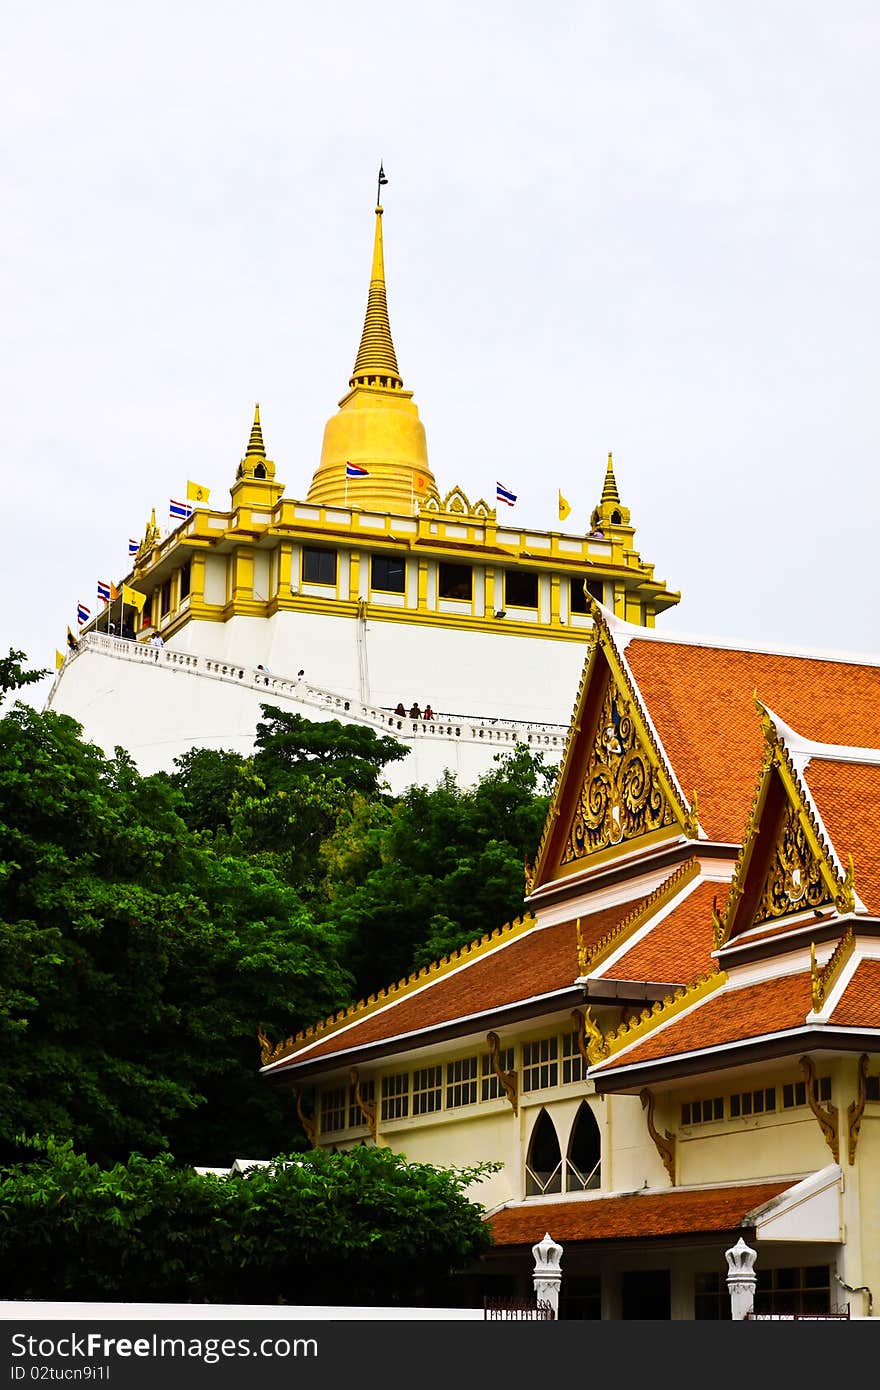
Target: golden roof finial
<point x="376" y="362"/>
<point x="255" y="443"/>
<point x="609" y="490"/>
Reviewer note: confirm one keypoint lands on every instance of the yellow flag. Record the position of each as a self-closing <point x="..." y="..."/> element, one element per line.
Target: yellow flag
<point x="564" y="508"/>
<point x="133" y="597"/>
<point x="59" y="659"/>
<point x="196" y="493"/>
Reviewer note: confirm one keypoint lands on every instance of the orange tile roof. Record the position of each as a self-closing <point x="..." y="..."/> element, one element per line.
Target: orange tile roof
<point x="700" y="701"/>
<point x="678" y="949"/>
<point x="848" y="798"/>
<point x="633" y="1215"/>
<point x="859" y="1006"/>
<point x="538" y="962"/>
<point x="730" y="1015"/>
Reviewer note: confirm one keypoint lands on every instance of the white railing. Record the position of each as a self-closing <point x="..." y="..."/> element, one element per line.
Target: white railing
<point x="471" y="728"/>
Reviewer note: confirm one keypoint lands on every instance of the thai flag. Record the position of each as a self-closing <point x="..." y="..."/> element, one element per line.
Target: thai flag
<point x="354" y="470"/>
<point x="504" y="494"/>
<point x="179" y="510"/>
<point x="82" y="613"/>
<point x="133" y="546"/>
<point x="103" y="591"/>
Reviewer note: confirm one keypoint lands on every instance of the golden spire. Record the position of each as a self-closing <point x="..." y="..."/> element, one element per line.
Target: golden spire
<point x="609" y="490"/>
<point x="376" y="363"/>
<point x="255" y="443"/>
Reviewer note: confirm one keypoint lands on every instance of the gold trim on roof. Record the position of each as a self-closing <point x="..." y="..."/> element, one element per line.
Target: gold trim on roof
<point x="660" y="770"/>
<point x="426" y="975"/>
<point x="586" y="1027"/>
<point x="800" y="872"/>
<point x="824" y="977"/>
<point x="646" y="1020"/>
<point x="662" y="894"/>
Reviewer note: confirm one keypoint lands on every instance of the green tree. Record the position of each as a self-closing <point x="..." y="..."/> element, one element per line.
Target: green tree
<point x="136" y="961"/>
<point x="364" y="1226"/>
<point x="438" y="868"/>
<point x="14" y="675"/>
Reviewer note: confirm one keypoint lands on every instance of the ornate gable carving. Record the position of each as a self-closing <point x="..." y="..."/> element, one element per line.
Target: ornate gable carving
<point x="794" y="879"/>
<point x="623" y="794"/>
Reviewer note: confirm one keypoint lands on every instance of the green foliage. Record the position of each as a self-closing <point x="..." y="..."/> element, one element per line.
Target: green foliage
<point x="441" y="867"/>
<point x="149" y="1230"/>
<point x="13" y="675"/>
<point x="290" y="747"/>
<point x="136" y="961"/>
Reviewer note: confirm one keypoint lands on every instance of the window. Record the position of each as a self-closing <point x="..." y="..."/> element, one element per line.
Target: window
<point x="356" y="1119"/>
<point x="427" y="1090"/>
<point x="577" y="598"/>
<point x="165" y="598"/>
<point x="388" y="573"/>
<point x="455" y="581"/>
<point x="395" y="1097"/>
<point x="753" y="1102"/>
<point x="184" y="581"/>
<point x="333" y="1109"/>
<point x="540" y="1066"/>
<point x="793" y="1290"/>
<point x="796" y="1093"/>
<point x="520" y="589"/>
<point x="461" y="1082"/>
<point x="319" y="566"/>
<point x="872" y="1087"/>
<point x="573" y="1065"/>
<point x="583" y="1163"/>
<point x="544" y="1162"/>
<point x="581" y="1298"/>
<point x="700" y="1112"/>
<point x="711" y="1298"/>
<point x="491" y="1087"/>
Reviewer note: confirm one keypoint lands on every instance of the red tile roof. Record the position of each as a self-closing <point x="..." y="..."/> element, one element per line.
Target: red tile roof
<point x="633" y="1215"/>
<point x="729" y="1015"/>
<point x="678" y="949"/>
<point x="699" y="698"/>
<point x="848" y="799"/>
<point x="859" y="1006"/>
<point x="539" y="961"/>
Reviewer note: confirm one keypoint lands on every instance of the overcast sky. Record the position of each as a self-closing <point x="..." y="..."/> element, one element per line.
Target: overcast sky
<point x="652" y="228"/>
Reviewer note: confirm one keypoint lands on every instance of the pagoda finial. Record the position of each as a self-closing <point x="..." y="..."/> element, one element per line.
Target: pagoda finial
<point x="609" y="490"/>
<point x="376" y="363"/>
<point x="255" y="443"/>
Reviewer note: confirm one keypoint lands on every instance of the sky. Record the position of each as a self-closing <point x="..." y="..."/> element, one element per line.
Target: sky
<point x="646" y="228"/>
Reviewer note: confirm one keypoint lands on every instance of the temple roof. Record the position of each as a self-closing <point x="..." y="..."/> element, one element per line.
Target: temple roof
<point x="636" y="1215"/>
<point x="376" y="356"/>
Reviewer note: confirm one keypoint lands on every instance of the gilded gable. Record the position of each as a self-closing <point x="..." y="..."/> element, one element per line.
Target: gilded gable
<point x="794" y="879"/>
<point x="622" y="796"/>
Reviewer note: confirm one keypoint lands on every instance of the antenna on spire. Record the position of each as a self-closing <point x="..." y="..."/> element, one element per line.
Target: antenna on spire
<point x="382" y="179"/>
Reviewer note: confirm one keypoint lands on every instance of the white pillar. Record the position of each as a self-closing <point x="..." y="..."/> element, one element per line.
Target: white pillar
<point x="547" y="1274"/>
<point x="741" y="1279"/>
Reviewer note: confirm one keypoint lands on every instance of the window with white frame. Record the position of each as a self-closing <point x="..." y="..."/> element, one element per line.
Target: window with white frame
<point x="427" y="1090"/>
<point x="753" y="1102"/>
<point x="573" y="1065"/>
<point x="701" y="1112"/>
<point x="490" y="1086"/>
<point x="461" y="1082"/>
<point x="333" y="1109"/>
<point x="395" y="1096"/>
<point x="540" y="1064"/>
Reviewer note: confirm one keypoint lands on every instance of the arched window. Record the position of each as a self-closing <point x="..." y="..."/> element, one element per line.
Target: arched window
<point x="544" y="1163"/>
<point x="616" y="518"/>
<point x="260" y="470"/>
<point x="583" y="1165"/>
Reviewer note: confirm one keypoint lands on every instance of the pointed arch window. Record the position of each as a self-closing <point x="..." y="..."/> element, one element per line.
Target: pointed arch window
<point x="583" y="1164"/>
<point x="544" y="1162"/>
